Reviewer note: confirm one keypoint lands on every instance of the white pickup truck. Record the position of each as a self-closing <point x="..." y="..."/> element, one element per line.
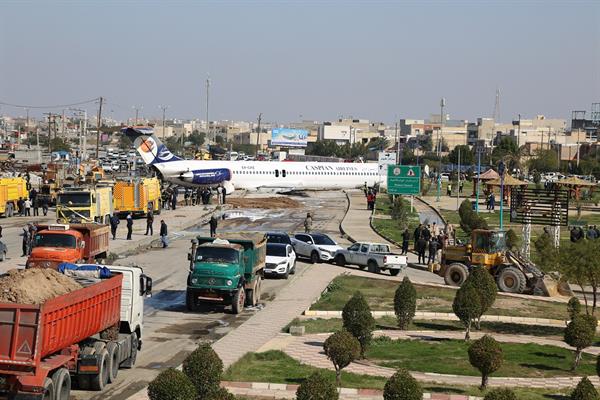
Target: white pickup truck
<point x="375" y="256"/>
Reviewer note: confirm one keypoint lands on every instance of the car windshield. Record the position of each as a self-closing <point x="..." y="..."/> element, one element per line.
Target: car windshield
<point x="278" y="238"/>
<point x="55" y="240"/>
<point x="74" y="199"/>
<point x="323" y="240"/>
<point x="217" y="255"/>
<point x="277" y="251"/>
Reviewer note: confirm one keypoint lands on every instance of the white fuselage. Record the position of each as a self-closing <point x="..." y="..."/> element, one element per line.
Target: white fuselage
<point x="253" y="175"/>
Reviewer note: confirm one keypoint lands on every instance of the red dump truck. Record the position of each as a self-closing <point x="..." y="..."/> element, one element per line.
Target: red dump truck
<point x="75" y="243"/>
<point x="85" y="336"/>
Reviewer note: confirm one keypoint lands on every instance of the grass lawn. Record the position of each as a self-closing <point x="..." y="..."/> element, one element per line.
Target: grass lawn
<point x="322" y="325"/>
<point x="277" y="367"/>
<point x="380" y="296"/>
<point x="520" y="360"/>
<point x="390" y="227"/>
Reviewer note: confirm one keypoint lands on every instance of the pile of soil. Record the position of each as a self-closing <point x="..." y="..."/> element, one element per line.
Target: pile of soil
<point x="268" y="203"/>
<point x="34" y="286"/>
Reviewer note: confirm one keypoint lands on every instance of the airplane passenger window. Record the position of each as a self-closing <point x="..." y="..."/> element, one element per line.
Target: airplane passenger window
<point x="283" y="173"/>
<point x="276" y="173"/>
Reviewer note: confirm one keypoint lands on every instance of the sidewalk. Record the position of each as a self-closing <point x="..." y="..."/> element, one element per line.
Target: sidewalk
<point x="309" y="350"/>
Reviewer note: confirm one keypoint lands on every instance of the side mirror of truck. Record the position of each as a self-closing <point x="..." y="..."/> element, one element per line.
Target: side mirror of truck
<point x="145" y="285"/>
<point x="82" y="244"/>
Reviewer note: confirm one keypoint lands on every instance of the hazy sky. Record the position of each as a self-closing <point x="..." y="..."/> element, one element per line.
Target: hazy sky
<point x="378" y="60"/>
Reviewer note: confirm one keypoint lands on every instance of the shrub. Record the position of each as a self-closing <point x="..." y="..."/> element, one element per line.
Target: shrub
<point x="317" y="387"/>
<point x="405" y="303"/>
<point x="467" y="306"/>
<point x="222" y="394"/>
<point x="573" y="307"/>
<point x="402" y="386"/>
<point x="486" y="287"/>
<point x="341" y="348"/>
<point x="469" y="219"/>
<point x="500" y="394"/>
<point x="359" y="321"/>
<point x="171" y="384"/>
<point x="204" y="368"/>
<point x="580" y="333"/>
<point x="598" y="365"/>
<point x="485" y="354"/>
<point x="513" y="241"/>
<point x="584" y="391"/>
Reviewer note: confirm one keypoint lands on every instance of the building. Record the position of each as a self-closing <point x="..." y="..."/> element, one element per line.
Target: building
<point x="347" y="130"/>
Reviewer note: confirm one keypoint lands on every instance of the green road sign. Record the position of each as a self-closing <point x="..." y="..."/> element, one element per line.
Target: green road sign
<point x="404" y="179"/>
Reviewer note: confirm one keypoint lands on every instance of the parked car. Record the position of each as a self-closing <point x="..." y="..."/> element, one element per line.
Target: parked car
<point x="374" y="256"/>
<point x="315" y="246"/>
<point x="279" y="237"/>
<point x="445" y="176"/>
<point x="281" y="260"/>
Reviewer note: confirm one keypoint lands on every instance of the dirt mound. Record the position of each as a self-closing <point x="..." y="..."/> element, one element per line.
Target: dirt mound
<point x="265" y="202"/>
<point x="34" y="286"/>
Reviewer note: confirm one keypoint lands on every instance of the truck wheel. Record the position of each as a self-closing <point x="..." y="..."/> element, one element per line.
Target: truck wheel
<point x="456" y="274"/>
<point x="511" y="280"/>
<point x="113" y="361"/>
<point x="394" y="272"/>
<point x="237" y="303"/>
<point x="190" y="301"/>
<point x="100" y="380"/>
<point x="48" y="389"/>
<point x="62" y="384"/>
<point x="372" y="266"/>
<point x="340" y="260"/>
<point x="314" y="257"/>
<point x="130" y="362"/>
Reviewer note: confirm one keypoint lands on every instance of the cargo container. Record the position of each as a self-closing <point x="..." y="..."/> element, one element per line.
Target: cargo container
<point x="137" y="196"/>
<point x="84" y="205"/>
<point x="75" y="243"/>
<point x="11" y="190"/>
<point x="85" y="335"/>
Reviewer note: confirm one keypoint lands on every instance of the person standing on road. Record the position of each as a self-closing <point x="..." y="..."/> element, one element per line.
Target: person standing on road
<point x="213" y="225"/>
<point x="36" y="207"/>
<point x="417" y="235"/>
<point x="25" y="243"/>
<point x="163" y="234"/>
<point x="45" y="206"/>
<point x="149" y="222"/>
<point x="129" y="225"/>
<point x="449" y="189"/>
<point x="492" y="202"/>
<point x="114" y="223"/>
<point x="174" y="200"/>
<point x="186" y="196"/>
<point x="27" y="205"/>
<point x="224" y="195"/>
<point x="433" y="247"/>
<point x="421" y="245"/>
<point x="308" y="223"/>
<point x="460" y="187"/>
<point x="405" y="240"/>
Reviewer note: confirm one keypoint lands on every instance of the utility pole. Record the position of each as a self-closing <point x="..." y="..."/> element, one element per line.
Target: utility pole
<point x="258" y="135"/>
<point x="164" y="109"/>
<point x="458" y="183"/>
<point x="63" y="122"/>
<point x="207" y="122"/>
<point x="137" y="113"/>
<point x="99" y="123"/>
<point x="439" y="183"/>
<point x="519" y="133"/>
<point x="50" y="122"/>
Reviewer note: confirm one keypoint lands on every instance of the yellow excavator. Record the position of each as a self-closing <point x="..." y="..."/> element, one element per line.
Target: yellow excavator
<point x="488" y="249"/>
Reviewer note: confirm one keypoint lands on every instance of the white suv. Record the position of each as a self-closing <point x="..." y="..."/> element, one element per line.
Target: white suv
<point x="281" y="260"/>
<point x="315" y="246"/>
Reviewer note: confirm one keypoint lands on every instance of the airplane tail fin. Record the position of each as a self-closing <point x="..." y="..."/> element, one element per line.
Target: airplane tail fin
<point x="150" y="148"/>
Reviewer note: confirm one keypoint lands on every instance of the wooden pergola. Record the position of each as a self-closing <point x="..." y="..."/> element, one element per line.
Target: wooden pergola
<point x="575" y="185"/>
<point x="487" y="176"/>
<point x="509" y="182"/>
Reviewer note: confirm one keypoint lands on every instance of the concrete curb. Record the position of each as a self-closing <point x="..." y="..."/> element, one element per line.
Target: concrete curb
<point x="370" y="393"/>
<point x="424" y="315"/>
<point x="341" y="227"/>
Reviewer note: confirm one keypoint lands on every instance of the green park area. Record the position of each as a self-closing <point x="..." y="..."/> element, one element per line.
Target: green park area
<point x="380" y="297"/>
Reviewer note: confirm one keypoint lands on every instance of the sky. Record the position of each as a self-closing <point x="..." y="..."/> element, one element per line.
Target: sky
<point x="293" y="60"/>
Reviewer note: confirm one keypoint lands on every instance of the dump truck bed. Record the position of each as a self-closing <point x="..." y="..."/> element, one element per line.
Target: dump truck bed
<point x="28" y="333"/>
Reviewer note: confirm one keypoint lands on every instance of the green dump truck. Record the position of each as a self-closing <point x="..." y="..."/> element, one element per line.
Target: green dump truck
<point x="226" y="270"/>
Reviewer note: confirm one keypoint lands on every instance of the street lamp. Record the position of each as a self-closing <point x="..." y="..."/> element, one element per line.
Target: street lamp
<point x="439" y="183"/>
<point x="501" y="170"/>
<point x="479" y="151"/>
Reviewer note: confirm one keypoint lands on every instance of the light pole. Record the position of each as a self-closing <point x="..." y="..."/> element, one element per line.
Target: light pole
<point x="479" y="149"/>
<point x="439" y="183"/>
<point x="501" y="170"/>
<point x="137" y="111"/>
<point x="164" y="109"/>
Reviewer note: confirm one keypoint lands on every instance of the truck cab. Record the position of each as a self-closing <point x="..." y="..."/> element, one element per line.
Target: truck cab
<point x="84" y="205"/>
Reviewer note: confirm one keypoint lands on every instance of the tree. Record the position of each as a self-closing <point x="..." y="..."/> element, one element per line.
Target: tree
<point x="485" y="354"/>
<point x="222" y="394"/>
<point x="124" y="142"/>
<point x="486" y="287"/>
<point x="547" y="256"/>
<point x="580" y="263"/>
<point x="197" y="138"/>
<point x="204" y="368"/>
<point x="467" y="306"/>
<point x="500" y="394"/>
<point x="219" y="140"/>
<point x="544" y="161"/>
<point x="573" y="307"/>
<point x="171" y="384"/>
<point x="359" y="321"/>
<point x="469" y="219"/>
<point x="405" y="303"/>
<point x="59" y="144"/>
<point x="317" y="387"/>
<point x="513" y="241"/>
<point x="341" y="348"/>
<point x="466" y="155"/>
<point x="402" y="386"/>
<point x="584" y="390"/>
<point x="506" y="150"/>
<point x="580" y="333"/>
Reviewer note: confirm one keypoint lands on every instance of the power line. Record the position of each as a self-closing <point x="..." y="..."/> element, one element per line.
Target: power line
<point x="54" y="106"/>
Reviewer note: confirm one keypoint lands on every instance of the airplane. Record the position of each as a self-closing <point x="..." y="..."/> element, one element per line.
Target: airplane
<point x="251" y="175"/>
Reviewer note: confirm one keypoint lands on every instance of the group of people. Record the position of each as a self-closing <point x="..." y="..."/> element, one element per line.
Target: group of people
<point x="460" y="187"/>
<point x="32" y="202"/>
<point x="115" y="221"/>
<point x="371" y="196"/>
<point x="28" y="235"/>
<point x="193" y="197"/>
<point x="427" y="237"/>
<point x="490" y="202"/>
<point x="577" y="233"/>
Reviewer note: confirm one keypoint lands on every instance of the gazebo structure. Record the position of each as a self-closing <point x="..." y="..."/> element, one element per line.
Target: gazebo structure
<point x="509" y="182"/>
<point x="575" y="185"/>
<point x="487" y="176"/>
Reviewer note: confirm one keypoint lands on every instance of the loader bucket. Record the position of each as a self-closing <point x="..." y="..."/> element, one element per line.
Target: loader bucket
<point x="548" y="286"/>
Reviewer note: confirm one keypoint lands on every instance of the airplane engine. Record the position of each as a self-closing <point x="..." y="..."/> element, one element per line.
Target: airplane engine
<point x="207" y="177"/>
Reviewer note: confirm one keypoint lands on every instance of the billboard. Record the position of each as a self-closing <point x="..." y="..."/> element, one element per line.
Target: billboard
<point x="289" y="137"/>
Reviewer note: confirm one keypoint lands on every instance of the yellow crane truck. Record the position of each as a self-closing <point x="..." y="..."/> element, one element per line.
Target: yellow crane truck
<point x="11" y="190"/>
<point x="488" y="249"/>
<point x="137" y="196"/>
<point x="81" y="205"/>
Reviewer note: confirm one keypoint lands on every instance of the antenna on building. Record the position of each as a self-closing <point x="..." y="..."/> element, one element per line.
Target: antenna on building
<point x="497" y="106"/>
